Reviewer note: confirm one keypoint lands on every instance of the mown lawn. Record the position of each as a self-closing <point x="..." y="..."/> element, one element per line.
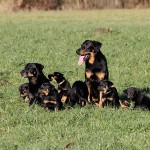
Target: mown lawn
<point x="51" y="38"/>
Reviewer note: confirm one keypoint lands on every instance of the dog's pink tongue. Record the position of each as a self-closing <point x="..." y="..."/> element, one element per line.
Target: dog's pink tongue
<point x="80" y="61"/>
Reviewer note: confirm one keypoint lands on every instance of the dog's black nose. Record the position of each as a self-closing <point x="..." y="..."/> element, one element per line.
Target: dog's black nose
<point x="23" y="73"/>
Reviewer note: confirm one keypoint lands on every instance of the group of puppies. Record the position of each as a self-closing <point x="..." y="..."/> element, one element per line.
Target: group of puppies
<point x="96" y="88"/>
<point x="41" y="91"/>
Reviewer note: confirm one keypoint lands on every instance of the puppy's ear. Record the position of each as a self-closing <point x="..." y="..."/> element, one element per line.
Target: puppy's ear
<point x="39" y="66"/>
<point x="61" y="75"/>
<point x="52" y="88"/>
<point x="50" y="77"/>
<point x="137" y="91"/>
<point x="125" y="92"/>
<point x="97" y="45"/>
<point x="110" y="84"/>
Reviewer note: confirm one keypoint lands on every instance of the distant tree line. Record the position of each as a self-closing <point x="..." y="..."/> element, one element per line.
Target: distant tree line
<point x="41" y="4"/>
<point x="77" y="4"/>
<point x="100" y="4"/>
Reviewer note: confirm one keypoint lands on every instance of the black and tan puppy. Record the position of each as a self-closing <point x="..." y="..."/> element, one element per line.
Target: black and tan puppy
<point x="108" y="94"/>
<point x="94" y="93"/>
<point x="25" y="93"/>
<point x="95" y="62"/>
<point x="79" y="93"/>
<point x="63" y="86"/>
<point x="49" y="97"/>
<point x="34" y="73"/>
<point x="139" y="99"/>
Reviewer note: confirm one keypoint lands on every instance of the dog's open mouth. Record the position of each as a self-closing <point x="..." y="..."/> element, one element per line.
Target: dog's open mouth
<point x="83" y="58"/>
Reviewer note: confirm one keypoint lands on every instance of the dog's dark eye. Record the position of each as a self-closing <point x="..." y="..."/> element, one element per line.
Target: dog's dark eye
<point x="89" y="50"/>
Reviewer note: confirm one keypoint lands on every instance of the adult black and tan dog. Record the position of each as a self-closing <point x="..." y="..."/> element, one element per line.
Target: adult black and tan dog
<point x="79" y="93"/>
<point x="140" y="100"/>
<point x="95" y="62"/>
<point x="63" y="85"/>
<point x="34" y="73"/>
<point x="49" y="97"/>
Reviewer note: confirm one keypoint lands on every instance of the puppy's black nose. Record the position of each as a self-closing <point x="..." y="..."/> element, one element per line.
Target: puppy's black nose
<point x="23" y="74"/>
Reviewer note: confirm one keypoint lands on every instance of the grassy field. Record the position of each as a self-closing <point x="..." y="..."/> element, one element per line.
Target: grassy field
<point x="51" y="38"/>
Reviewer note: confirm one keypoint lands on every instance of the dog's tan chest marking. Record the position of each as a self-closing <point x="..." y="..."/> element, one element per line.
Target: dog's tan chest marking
<point x="100" y="75"/>
<point x="92" y="58"/>
<point x="88" y="74"/>
<point x="34" y="80"/>
<point x="47" y="101"/>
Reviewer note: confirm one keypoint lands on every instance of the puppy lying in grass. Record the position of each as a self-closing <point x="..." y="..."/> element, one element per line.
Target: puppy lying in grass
<point x="139" y="99"/>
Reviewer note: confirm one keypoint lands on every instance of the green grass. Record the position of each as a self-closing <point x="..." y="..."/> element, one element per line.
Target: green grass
<point x="51" y="38"/>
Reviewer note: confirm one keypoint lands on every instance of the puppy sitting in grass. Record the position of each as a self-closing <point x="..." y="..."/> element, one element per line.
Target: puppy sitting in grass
<point x="63" y="86"/>
<point x="79" y="93"/>
<point x="108" y="94"/>
<point x="49" y="97"/>
<point x="139" y="99"/>
<point x="25" y="93"/>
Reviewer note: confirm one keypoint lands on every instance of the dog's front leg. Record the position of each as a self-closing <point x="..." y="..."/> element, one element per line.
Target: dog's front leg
<point x="89" y="92"/>
<point x="100" y="99"/>
<point x="88" y="74"/>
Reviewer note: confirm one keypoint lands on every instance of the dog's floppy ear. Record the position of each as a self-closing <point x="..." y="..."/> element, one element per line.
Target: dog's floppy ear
<point x="110" y="84"/>
<point x="39" y="66"/>
<point x="125" y="91"/>
<point x="50" y="77"/>
<point x="137" y="91"/>
<point x="97" y="45"/>
<point x="52" y="88"/>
